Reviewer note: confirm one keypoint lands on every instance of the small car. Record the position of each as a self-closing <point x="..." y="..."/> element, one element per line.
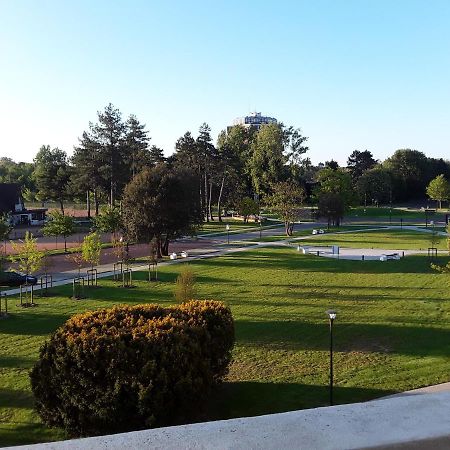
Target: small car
<point x="11" y="278"/>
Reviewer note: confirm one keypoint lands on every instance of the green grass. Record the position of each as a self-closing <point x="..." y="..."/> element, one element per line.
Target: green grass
<point x="307" y="232"/>
<point x="395" y="213"/>
<point x="392" y="332"/>
<point x="235" y="225"/>
<point x="389" y="239"/>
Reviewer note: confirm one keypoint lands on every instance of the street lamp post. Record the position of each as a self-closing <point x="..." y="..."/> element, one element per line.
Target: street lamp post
<point x="331" y="316"/>
<point x="228" y="234"/>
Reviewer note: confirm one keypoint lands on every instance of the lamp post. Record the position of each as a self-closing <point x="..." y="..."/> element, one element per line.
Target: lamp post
<point x="228" y="233"/>
<point x="331" y="316"/>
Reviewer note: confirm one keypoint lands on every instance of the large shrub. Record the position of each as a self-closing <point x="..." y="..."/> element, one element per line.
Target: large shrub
<point x="134" y="367"/>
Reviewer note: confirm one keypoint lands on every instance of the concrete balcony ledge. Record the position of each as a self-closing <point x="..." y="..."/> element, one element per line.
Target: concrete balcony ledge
<point x="412" y="421"/>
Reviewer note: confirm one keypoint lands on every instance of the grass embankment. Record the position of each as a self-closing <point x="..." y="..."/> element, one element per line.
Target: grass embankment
<point x="392" y="332"/>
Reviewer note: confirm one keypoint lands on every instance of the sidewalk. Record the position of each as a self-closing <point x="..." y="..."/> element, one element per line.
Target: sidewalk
<point x="107" y="270"/>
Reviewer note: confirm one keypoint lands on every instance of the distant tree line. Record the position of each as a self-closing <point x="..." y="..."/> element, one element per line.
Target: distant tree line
<point x="245" y="168"/>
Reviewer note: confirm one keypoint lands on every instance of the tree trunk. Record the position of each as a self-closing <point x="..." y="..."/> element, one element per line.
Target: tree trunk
<point x="219" y="207"/>
<point x="111" y="195"/>
<point x="158" y="247"/>
<point x="96" y="202"/>
<point x="61" y="204"/>
<point x="209" y="201"/>
<point x="88" y="204"/>
<point x="65" y="244"/>
<point x="206" y="199"/>
<point x="165" y="247"/>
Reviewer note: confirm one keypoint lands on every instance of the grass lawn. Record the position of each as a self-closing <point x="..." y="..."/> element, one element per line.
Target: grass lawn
<point x="392" y="332"/>
<point x="307" y="232"/>
<point x="220" y="227"/>
<point x="388" y="239"/>
<point x="396" y="213"/>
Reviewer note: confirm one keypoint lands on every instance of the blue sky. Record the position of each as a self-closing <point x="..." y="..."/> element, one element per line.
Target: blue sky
<point x="352" y="74"/>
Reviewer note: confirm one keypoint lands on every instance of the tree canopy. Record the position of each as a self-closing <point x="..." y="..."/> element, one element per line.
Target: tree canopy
<point x="161" y="203"/>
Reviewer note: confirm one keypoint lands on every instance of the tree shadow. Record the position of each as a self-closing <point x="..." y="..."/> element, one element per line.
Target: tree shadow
<point x="310" y="263"/>
<point x="248" y="398"/>
<point x="297" y="335"/>
<point x="16" y="362"/>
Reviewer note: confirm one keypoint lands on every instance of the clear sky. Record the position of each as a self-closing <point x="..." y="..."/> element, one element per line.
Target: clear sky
<point x="363" y="74"/>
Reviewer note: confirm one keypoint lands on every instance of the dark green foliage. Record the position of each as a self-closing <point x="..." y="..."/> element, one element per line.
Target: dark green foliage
<point x="52" y="174"/>
<point x="129" y="368"/>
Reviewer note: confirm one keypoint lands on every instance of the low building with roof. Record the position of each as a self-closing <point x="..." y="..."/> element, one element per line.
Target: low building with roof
<point x="13" y="206"/>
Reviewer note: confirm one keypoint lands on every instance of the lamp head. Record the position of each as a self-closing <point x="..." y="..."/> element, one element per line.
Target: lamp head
<point x="331" y="314"/>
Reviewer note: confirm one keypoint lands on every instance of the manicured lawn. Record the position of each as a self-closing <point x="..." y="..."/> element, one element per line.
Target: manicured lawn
<point x="308" y="231"/>
<point x="392" y="332"/>
<point x="389" y="239"/>
<point x="220" y="227"/>
<point x="385" y="214"/>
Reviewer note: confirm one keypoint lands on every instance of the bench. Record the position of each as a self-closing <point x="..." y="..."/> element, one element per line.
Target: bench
<point x="174" y="255"/>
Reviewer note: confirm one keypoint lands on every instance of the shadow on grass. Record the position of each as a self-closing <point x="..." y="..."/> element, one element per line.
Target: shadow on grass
<point x="297" y="335"/>
<point x="11" y="398"/>
<point x="245" y="398"/>
<point x="17" y="362"/>
<point x="27" y="433"/>
<point x="292" y="260"/>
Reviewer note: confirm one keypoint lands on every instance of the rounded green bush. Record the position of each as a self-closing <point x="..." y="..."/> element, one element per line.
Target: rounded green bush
<point x="129" y="368"/>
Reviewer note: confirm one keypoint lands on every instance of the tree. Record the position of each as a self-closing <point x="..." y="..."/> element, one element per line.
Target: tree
<point x="294" y="148"/>
<point x="409" y="173"/>
<point x="5" y="228"/>
<point x="331" y="206"/>
<point x="286" y="199"/>
<point x="247" y="207"/>
<point x="52" y="174"/>
<point x="91" y="249"/>
<point x="375" y="186"/>
<point x="137" y="146"/>
<point x="268" y="159"/>
<point x="233" y="149"/>
<point x="336" y="182"/>
<point x="27" y="256"/>
<point x="86" y="176"/>
<point x="184" y="284"/>
<point x="161" y="203"/>
<point x="59" y="225"/>
<point x="207" y="155"/>
<point x="332" y="164"/>
<point x="359" y="162"/>
<point x="156" y="155"/>
<point x="109" y="221"/>
<point x="21" y="173"/>
<point x="439" y="189"/>
<point x="110" y="135"/>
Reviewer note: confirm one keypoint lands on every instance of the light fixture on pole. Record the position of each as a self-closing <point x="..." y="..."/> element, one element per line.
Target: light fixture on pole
<point x="228" y="233"/>
<point x="331" y="316"/>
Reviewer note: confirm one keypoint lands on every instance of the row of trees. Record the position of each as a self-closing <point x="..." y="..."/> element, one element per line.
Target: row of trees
<point x="240" y="172"/>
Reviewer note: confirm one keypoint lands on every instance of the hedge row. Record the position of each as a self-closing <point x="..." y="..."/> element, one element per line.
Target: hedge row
<point x="132" y="367"/>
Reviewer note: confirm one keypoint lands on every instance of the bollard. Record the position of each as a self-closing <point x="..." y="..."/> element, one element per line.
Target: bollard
<point x="362" y="257"/>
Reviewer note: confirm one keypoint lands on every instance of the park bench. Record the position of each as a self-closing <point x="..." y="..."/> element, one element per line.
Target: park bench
<point x="174" y="255"/>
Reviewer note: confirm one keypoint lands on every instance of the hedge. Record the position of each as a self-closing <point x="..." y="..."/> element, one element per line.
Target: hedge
<point x="132" y="367"/>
